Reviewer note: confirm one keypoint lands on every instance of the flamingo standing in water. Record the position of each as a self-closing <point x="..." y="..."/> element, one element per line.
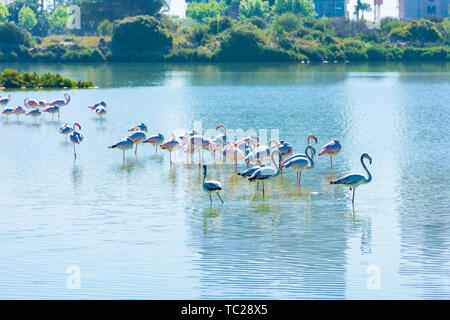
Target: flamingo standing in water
<point x="222" y="137"/>
<point x="76" y="137"/>
<point x="66" y="129"/>
<point x="18" y="111"/>
<point x="4" y="100"/>
<point x="233" y="153"/>
<point x="267" y="173"/>
<point x="155" y="140"/>
<point x="300" y="163"/>
<point x="211" y="186"/>
<point x="42" y="103"/>
<point x="101" y="111"/>
<point x="8" y="111"/>
<point x="52" y="110"/>
<point x="137" y="137"/>
<point x="171" y="145"/>
<point x="124" y="145"/>
<point x="332" y="148"/>
<point x="34" y="113"/>
<point x="95" y="106"/>
<point x="60" y="102"/>
<point x="354" y="180"/>
<point x="31" y="103"/>
<point x="198" y="142"/>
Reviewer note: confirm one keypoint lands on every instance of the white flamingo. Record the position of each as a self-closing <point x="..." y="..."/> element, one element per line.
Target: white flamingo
<point x="18" y="111"/>
<point x="4" y="100"/>
<point x="137" y="137"/>
<point x="60" y="102"/>
<point x="301" y="163"/>
<point x="354" y="180"/>
<point x="76" y="137"/>
<point x="267" y="172"/>
<point x="211" y="186"/>
<point x="124" y="145"/>
<point x="34" y="113"/>
<point x="7" y="111"/>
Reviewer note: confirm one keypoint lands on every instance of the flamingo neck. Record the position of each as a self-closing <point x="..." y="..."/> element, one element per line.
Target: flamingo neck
<point x="277" y="167"/>
<point x="369" y="176"/>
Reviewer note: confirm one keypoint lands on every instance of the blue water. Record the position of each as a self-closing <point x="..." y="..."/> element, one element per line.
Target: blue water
<point x="145" y="229"/>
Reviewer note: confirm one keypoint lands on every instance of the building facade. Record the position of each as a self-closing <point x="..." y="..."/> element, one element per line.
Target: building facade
<point x="331" y="8"/>
<point x="412" y="9"/>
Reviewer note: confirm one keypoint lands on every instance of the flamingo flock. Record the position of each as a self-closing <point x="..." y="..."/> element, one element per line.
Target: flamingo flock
<point x="247" y="149"/>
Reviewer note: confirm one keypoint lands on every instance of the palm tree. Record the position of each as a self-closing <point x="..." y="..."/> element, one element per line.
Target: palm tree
<point x="363" y="7"/>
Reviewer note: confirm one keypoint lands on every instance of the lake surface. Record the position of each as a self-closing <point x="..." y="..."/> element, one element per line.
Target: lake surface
<point x="146" y="229"/>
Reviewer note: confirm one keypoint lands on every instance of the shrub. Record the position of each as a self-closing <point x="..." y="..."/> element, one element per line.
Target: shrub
<point x="140" y="37"/>
<point x="219" y="24"/>
<point x="203" y="11"/>
<point x="286" y="22"/>
<point x="14" y="35"/>
<point x="188" y="55"/>
<point x="27" y="18"/>
<point x="304" y="8"/>
<point x="258" y="22"/>
<point x="353" y="54"/>
<point x="254" y="8"/>
<point x="242" y="43"/>
<point x="196" y="33"/>
<point x="376" y="53"/>
<point x="105" y="28"/>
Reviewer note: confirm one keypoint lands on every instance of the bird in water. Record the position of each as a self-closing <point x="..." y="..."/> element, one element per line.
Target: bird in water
<point x="52" y="110"/>
<point x="4" y="100"/>
<point x="7" y="111"/>
<point x="76" y="137"/>
<point x="301" y="163"/>
<point x="101" y="111"/>
<point x="137" y="137"/>
<point x="267" y="172"/>
<point x="155" y="140"/>
<point x="66" y="129"/>
<point x="95" y="106"/>
<point x="172" y="145"/>
<point x="60" y="102"/>
<point x="18" y="111"/>
<point x="354" y="180"/>
<point x="332" y="148"/>
<point x="34" y="113"/>
<point x="211" y="186"/>
<point x="124" y="145"/>
<point x="141" y="127"/>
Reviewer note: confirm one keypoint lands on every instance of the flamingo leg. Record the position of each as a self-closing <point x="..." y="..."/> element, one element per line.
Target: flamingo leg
<point x="263" y="187"/>
<point x="135" y="150"/>
<point x="235" y="165"/>
<point x="214" y="157"/>
<point x="199" y="158"/>
<point x="331" y="158"/>
<point x="170" y="157"/>
<point x="219" y="197"/>
<point x="123" y="156"/>
<point x="74" y="151"/>
<point x="156" y="149"/>
<point x="353" y="198"/>
<point x="210" y="199"/>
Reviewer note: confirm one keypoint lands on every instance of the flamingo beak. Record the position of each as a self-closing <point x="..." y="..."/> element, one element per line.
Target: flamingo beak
<point x="315" y="139"/>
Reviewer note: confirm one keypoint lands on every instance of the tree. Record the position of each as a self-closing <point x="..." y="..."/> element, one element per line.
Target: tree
<point x="59" y="19"/>
<point x="95" y="11"/>
<point x="10" y="33"/>
<point x="363" y="7"/>
<point x="3" y="13"/>
<point x="15" y="6"/>
<point x="27" y="18"/>
<point x="254" y="8"/>
<point x="140" y="38"/>
<point x="304" y="8"/>
<point x="105" y="28"/>
<point x="203" y="11"/>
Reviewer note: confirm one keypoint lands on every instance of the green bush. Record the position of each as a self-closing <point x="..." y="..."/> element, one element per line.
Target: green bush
<point x="196" y="33"/>
<point x="242" y="43"/>
<point x="219" y="24"/>
<point x="13" y="79"/>
<point x="14" y="35"/>
<point x="376" y="53"/>
<point x="187" y="55"/>
<point x="140" y="38"/>
<point x="258" y="22"/>
<point x="254" y="8"/>
<point x="286" y="22"/>
<point x="205" y="10"/>
<point x="304" y="8"/>
<point x="353" y="54"/>
<point x="105" y="28"/>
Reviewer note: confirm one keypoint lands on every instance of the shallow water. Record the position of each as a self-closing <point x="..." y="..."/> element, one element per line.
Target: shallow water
<point x="146" y="229"/>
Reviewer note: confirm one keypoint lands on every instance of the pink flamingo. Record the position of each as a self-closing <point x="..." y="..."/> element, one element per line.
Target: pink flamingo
<point x="34" y="113"/>
<point x="52" y="110"/>
<point x="171" y="145"/>
<point x="60" y="102"/>
<point x="76" y="137"/>
<point x="233" y="153"/>
<point x="31" y="103"/>
<point x="124" y="145"/>
<point x="155" y="140"/>
<point x="137" y="137"/>
<point x="8" y="111"/>
<point x="18" y="111"/>
<point x="66" y="129"/>
<point x="5" y="100"/>
<point x="300" y="164"/>
<point x="332" y="148"/>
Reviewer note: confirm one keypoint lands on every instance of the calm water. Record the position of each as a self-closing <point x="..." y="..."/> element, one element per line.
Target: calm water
<point x="147" y="230"/>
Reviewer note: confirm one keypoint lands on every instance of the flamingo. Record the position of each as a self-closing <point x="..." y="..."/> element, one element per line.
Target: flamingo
<point x="285" y="148"/>
<point x="214" y="146"/>
<point x="52" y="110"/>
<point x="249" y="172"/>
<point x="7" y="111"/>
<point x="171" y="145"/>
<point x="198" y="142"/>
<point x="42" y="103"/>
<point x="155" y="140"/>
<point x="101" y="111"/>
<point x="4" y="100"/>
<point x="95" y="106"/>
<point x="211" y="186"/>
<point x="233" y="153"/>
<point x="60" y="102"/>
<point x="34" y="113"/>
<point x="66" y="129"/>
<point x="76" y="137"/>
<point x="18" y="111"/>
<point x="222" y="137"/>
<point x="332" y="148"/>
<point x="267" y="173"/>
<point x="301" y="163"/>
<point x="262" y="152"/>
<point x="124" y="145"/>
<point x="141" y="127"/>
<point x="31" y="103"/>
<point x="354" y="180"/>
<point x="137" y="137"/>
